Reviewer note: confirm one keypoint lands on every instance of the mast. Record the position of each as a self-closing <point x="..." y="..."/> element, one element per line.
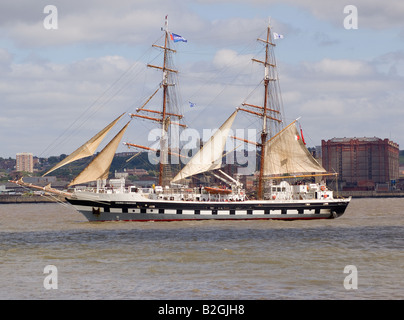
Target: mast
<point x="264" y="132"/>
<point x="164" y="124"/>
<point x="270" y="111"/>
<point x="163" y="116"/>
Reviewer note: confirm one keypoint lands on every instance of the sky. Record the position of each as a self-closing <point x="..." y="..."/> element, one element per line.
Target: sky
<point x="63" y="79"/>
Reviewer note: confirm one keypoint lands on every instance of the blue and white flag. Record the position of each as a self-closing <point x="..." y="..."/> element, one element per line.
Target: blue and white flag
<point x="278" y="36"/>
<point x="176" y="38"/>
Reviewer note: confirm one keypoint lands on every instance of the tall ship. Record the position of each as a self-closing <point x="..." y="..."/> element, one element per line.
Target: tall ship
<point x="289" y="185"/>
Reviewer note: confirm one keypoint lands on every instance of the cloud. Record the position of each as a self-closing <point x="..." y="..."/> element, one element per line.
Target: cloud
<point x="340" y="68"/>
<point x="373" y="14"/>
<point x="5" y="60"/>
<point x="99" y="27"/>
<point x="226" y="58"/>
<point x="91" y="22"/>
<point x="324" y="39"/>
<point x="122" y="21"/>
<point x="42" y="100"/>
<point x="341" y="97"/>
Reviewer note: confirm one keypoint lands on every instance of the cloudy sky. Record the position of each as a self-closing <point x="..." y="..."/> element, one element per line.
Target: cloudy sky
<point x="59" y="86"/>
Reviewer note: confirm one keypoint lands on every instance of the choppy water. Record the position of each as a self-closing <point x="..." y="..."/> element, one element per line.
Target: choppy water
<point x="202" y="259"/>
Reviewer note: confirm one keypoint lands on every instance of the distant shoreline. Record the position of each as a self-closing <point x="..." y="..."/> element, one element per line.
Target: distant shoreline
<point x="10" y="199"/>
<point x="369" y="194"/>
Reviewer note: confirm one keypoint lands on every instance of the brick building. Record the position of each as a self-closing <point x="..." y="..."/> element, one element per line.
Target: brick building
<point x="24" y="162"/>
<point x="362" y="163"/>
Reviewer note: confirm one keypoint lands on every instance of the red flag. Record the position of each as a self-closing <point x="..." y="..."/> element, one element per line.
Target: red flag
<point x="301" y="132"/>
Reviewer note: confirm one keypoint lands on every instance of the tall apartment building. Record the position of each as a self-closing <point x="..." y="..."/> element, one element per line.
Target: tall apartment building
<point x="362" y="163"/>
<point x="25" y="162"/>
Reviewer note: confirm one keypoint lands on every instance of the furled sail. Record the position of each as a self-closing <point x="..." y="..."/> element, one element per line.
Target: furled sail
<point x="86" y="149"/>
<point x="210" y="156"/>
<point x="99" y="167"/>
<point x="286" y="153"/>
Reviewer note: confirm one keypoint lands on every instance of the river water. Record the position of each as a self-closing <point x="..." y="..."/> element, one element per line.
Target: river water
<point x="202" y="259"/>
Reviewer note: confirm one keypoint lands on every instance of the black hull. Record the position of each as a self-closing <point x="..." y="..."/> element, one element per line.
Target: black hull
<point x="183" y="210"/>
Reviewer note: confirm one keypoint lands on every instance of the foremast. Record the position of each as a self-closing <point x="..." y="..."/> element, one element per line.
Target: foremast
<point x="163" y="116"/>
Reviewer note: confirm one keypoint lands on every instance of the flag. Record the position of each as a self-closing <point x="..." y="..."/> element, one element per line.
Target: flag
<point x="176" y="38"/>
<point x="191" y="104"/>
<point x="301" y="133"/>
<point x="278" y="36"/>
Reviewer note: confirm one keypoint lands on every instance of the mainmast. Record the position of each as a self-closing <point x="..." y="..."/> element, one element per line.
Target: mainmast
<point x="164" y="124"/>
<point x="270" y="111"/>
<point x="264" y="132"/>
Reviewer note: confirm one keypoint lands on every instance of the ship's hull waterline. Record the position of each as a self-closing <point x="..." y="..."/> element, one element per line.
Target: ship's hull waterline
<point x="190" y="210"/>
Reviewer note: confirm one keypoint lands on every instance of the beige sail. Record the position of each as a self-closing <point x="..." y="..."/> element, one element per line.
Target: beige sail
<point x="86" y="149"/>
<point x="286" y="153"/>
<point x="210" y="156"/>
<point x="99" y="167"/>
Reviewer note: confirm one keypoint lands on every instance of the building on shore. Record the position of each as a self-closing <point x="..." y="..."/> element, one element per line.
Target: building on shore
<point x="25" y="162"/>
<point x="362" y="163"/>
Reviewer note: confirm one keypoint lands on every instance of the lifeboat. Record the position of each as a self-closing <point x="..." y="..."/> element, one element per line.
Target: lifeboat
<point x="212" y="190"/>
